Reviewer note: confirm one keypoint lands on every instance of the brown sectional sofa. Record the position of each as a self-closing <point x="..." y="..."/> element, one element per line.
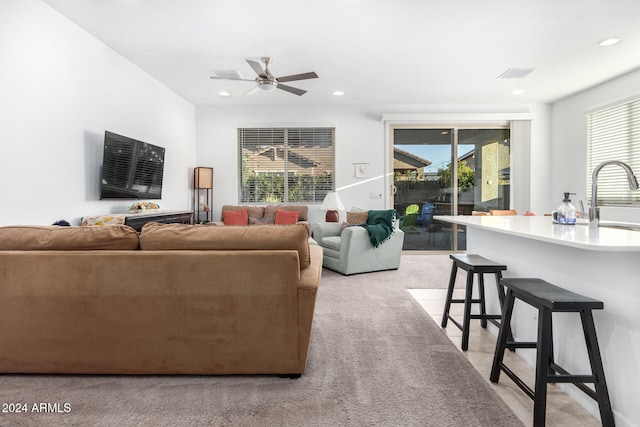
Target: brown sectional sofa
<point x="176" y="299"/>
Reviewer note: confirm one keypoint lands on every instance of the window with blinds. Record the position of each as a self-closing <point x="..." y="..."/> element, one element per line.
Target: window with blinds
<point x="614" y="134"/>
<point x="279" y="165"/>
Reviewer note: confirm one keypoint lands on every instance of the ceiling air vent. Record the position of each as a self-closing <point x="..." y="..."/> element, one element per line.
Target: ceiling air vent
<point x="226" y="74"/>
<point x="516" y="73"/>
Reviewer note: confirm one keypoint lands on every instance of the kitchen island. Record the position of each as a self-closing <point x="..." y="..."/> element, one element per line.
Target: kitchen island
<point x="601" y="263"/>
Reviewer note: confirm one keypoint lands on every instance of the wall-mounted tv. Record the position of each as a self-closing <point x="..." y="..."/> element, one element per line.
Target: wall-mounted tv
<point x="131" y="169"/>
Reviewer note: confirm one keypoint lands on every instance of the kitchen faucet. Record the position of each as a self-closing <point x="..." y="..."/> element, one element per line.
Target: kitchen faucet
<point x="594" y="209"/>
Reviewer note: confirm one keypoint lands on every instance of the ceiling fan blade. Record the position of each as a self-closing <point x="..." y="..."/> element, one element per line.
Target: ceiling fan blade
<point x="252" y="91"/>
<point x="302" y="76"/>
<point x="257" y="68"/>
<point x="229" y="78"/>
<point x="290" y="89"/>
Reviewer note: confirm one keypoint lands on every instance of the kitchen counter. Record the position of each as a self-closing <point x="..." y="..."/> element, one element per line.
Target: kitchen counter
<point x="601" y="264"/>
<point x="542" y="228"/>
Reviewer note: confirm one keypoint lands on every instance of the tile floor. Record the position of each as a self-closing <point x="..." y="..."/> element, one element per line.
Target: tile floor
<point x="561" y="409"/>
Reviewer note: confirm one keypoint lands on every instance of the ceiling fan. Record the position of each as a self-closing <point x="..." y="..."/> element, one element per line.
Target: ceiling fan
<point x="267" y="81"/>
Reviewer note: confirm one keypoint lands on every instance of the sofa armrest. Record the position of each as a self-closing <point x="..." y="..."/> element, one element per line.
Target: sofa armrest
<point x="326" y="229"/>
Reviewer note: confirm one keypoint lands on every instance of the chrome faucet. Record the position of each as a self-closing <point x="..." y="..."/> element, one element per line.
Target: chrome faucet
<point x="594" y="209"/>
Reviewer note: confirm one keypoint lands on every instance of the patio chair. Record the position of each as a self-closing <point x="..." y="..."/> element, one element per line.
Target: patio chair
<point x="426" y="215"/>
<point x="408" y="221"/>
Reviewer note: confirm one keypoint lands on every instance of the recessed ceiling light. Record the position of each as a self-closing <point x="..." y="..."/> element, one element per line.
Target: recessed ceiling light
<point x="518" y="92"/>
<point x="609" y="42"/>
<point x="224" y="93"/>
<point x="338" y="93"/>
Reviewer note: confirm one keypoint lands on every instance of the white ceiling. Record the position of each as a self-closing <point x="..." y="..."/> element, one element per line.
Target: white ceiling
<point x="376" y="51"/>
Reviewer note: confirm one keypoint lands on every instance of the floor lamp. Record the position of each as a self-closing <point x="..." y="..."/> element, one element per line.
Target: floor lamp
<point x="332" y="204"/>
<point x="203" y="180"/>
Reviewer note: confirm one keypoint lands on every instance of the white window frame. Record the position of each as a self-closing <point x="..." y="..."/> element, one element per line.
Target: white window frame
<point x="613" y="133"/>
<point x="285" y="138"/>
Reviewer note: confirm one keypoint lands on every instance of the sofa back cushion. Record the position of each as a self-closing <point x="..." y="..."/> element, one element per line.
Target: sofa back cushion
<point x="158" y="237"/>
<point x="56" y="238"/>
<point x="252" y="211"/>
<point x="303" y="210"/>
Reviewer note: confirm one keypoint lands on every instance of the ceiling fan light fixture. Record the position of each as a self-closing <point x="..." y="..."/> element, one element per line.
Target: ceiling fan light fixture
<point x="267" y="85"/>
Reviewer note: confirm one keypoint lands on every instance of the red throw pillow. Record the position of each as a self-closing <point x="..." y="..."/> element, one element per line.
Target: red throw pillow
<point x="240" y="217"/>
<point x="286" y="217"/>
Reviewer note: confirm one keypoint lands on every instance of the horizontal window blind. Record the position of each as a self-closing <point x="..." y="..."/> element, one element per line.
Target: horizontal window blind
<point x="614" y="134"/>
<point x="294" y="165"/>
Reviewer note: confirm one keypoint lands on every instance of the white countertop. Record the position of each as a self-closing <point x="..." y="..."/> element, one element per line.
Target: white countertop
<point x="542" y="228"/>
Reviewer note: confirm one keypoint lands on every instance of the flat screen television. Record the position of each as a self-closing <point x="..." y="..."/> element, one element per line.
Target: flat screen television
<point x="131" y="169"/>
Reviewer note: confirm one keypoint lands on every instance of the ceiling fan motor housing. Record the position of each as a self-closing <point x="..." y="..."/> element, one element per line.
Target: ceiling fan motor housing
<point x="267" y="85"/>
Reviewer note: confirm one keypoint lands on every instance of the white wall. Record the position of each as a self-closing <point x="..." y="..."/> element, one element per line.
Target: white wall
<point x="569" y="136"/>
<point x="360" y="138"/>
<point x="60" y="89"/>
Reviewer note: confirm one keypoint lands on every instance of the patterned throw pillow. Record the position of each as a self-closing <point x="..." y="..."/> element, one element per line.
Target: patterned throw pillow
<point x="357" y="217"/>
<point x="256" y="221"/>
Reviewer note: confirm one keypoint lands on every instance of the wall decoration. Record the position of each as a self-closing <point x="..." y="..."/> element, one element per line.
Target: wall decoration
<point x="360" y="170"/>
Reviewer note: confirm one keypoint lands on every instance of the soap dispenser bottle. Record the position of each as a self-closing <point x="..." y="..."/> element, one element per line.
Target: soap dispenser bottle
<point x="566" y="211"/>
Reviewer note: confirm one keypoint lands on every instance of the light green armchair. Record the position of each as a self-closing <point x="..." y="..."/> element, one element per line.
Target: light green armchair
<point x="351" y="251"/>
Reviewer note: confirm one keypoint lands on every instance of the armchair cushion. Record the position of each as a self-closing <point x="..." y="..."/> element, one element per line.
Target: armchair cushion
<point x="332" y="242"/>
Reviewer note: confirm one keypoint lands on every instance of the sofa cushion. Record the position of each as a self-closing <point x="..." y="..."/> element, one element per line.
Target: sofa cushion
<point x="253" y="211"/>
<point x="56" y="238"/>
<point x="303" y="210"/>
<point x="331" y="242"/>
<point x="158" y="237"/>
<point x="260" y="221"/>
<point x="286" y="217"/>
<point x="240" y="217"/>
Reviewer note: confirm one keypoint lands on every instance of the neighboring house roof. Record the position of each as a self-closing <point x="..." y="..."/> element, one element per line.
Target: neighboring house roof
<point x="271" y="159"/>
<point x="467" y="156"/>
<point x="404" y="160"/>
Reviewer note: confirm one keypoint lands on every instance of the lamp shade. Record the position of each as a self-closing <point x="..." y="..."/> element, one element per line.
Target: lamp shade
<point x="332" y="202"/>
<point x="203" y="177"/>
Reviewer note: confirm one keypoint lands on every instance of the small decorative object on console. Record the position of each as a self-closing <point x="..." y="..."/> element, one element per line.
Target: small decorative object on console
<point x="141" y="206"/>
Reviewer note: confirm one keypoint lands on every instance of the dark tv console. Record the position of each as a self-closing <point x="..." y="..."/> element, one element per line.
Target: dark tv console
<point x="137" y="220"/>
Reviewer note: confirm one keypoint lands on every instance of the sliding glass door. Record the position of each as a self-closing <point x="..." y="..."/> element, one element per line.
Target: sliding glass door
<point x="447" y="171"/>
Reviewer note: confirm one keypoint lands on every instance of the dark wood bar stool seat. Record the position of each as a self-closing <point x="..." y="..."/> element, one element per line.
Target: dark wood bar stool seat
<point x="472" y="264"/>
<point x="548" y="298"/>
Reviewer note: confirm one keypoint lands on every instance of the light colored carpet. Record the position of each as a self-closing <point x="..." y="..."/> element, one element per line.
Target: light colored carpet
<point x="376" y="359"/>
<point x="426" y="272"/>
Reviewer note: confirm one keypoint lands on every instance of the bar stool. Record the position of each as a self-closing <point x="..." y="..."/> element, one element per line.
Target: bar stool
<point x="548" y="298"/>
<point x="472" y="264"/>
